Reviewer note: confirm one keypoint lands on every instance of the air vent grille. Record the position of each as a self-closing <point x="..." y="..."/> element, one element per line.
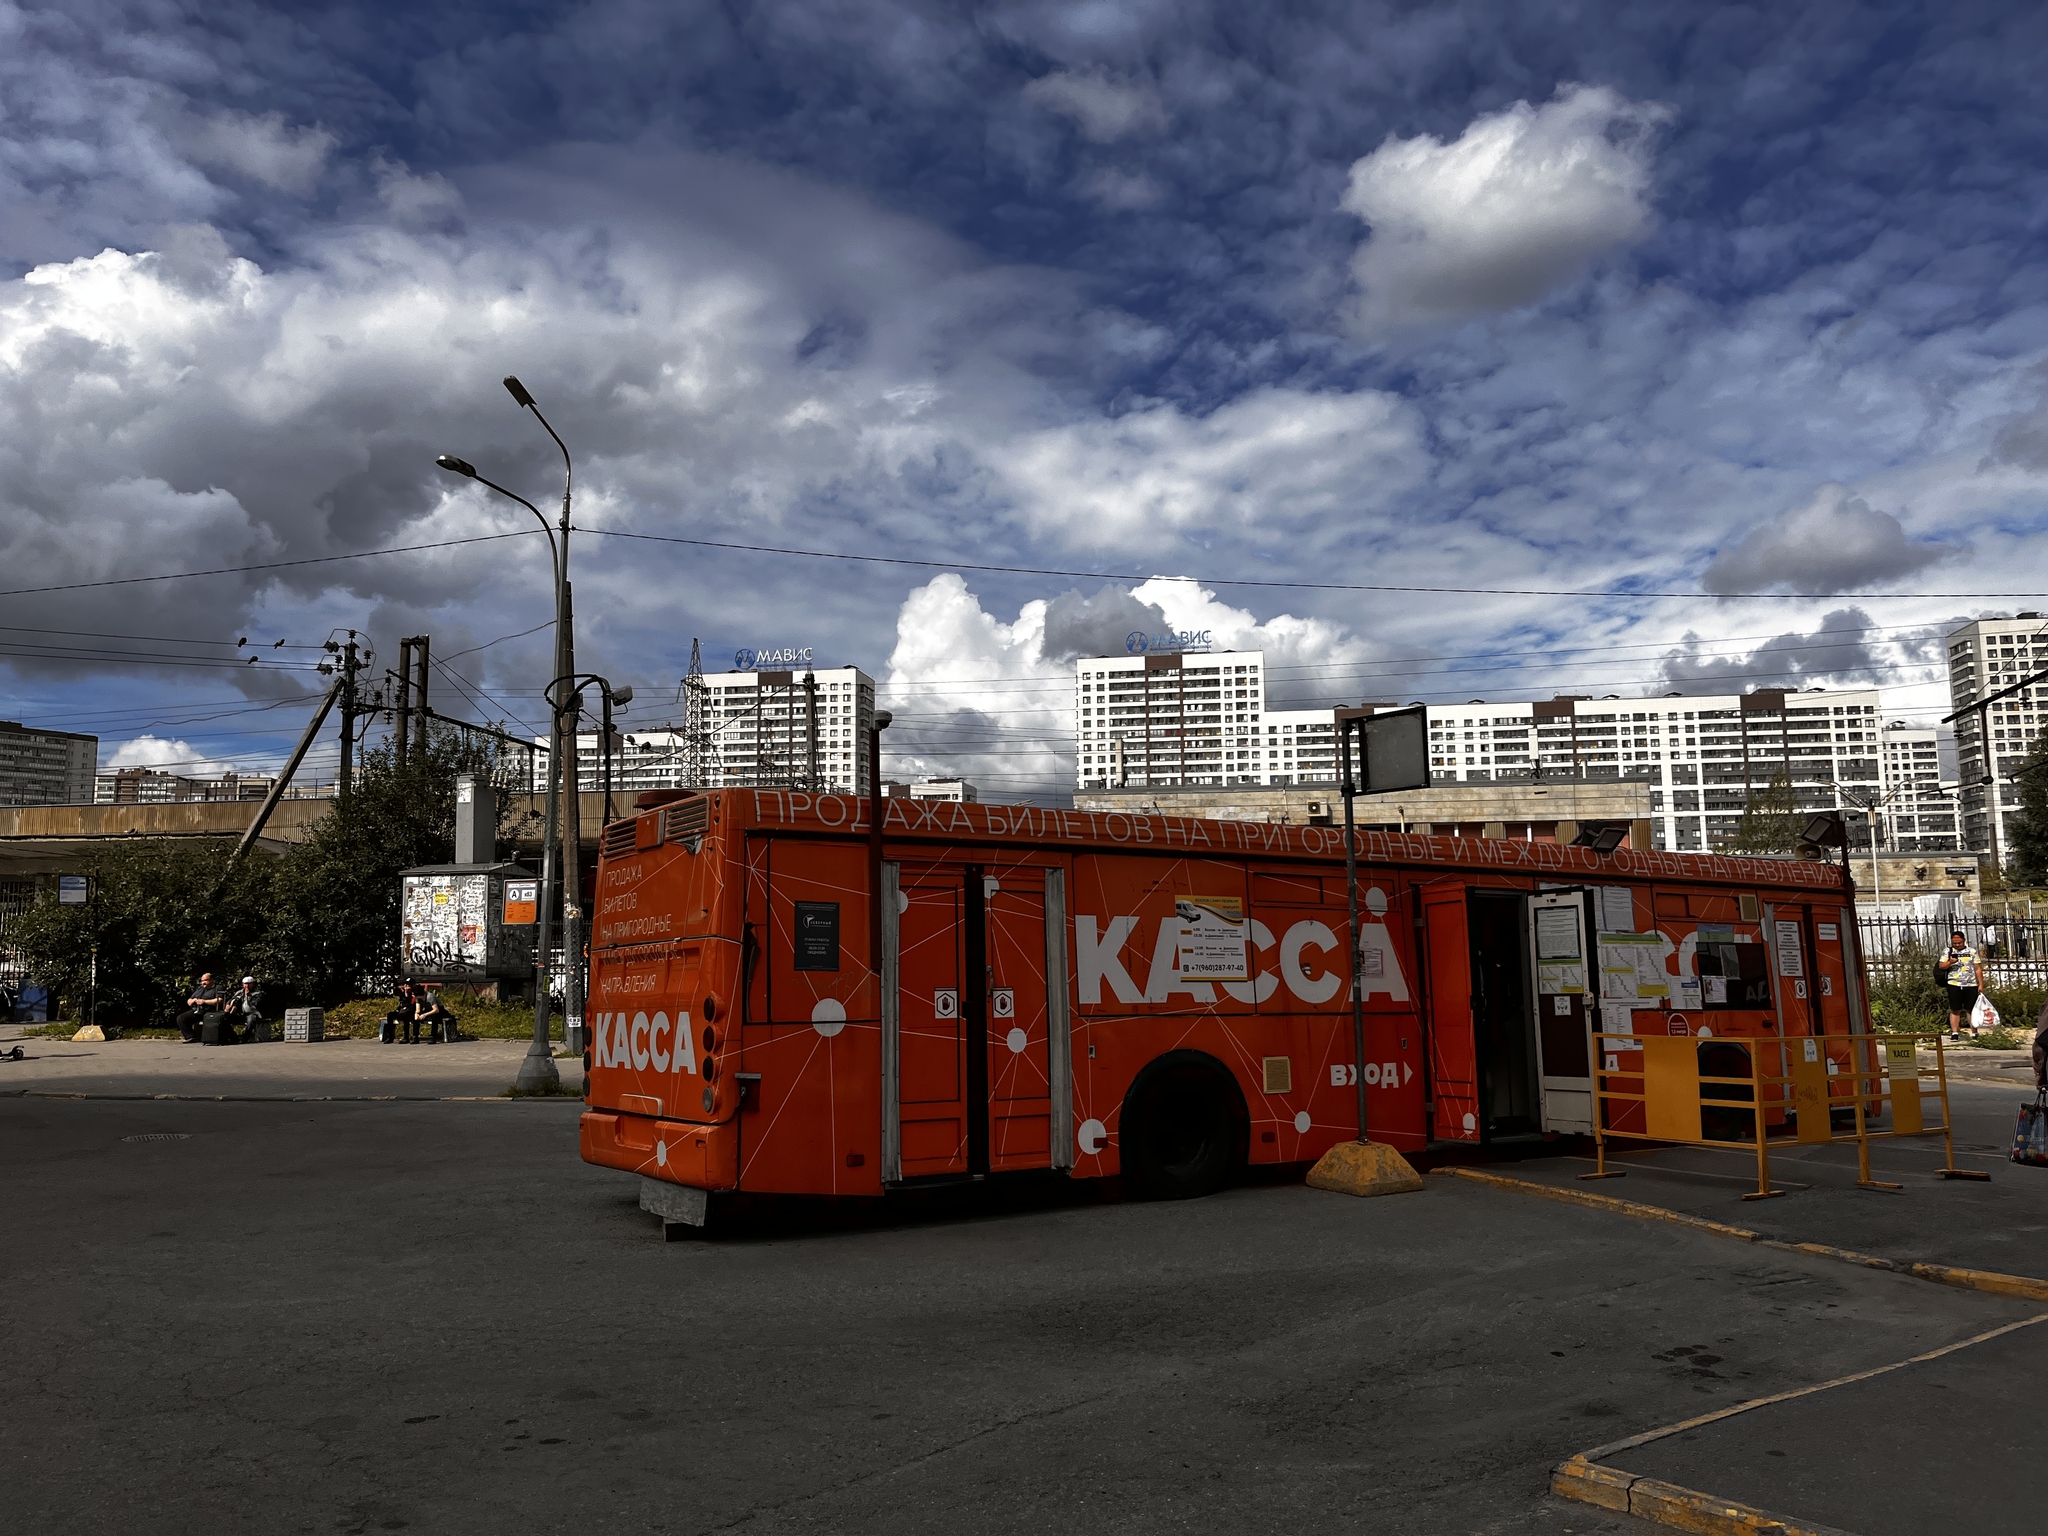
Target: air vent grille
<point x="685" y="820"/>
<point x="618" y="839"/>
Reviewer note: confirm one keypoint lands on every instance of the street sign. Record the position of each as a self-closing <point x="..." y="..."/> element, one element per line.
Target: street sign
<point x="1396" y="750"/>
<point x="72" y="890"/>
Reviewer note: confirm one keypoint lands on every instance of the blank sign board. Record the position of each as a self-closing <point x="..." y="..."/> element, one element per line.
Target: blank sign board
<point x="1396" y="749"/>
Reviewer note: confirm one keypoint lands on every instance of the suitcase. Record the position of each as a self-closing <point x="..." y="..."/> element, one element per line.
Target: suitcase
<point x="2030" y="1136"/>
<point x="218" y="1029"/>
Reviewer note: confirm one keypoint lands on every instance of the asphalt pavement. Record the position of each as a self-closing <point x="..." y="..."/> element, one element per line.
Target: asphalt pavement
<point x="357" y="1317"/>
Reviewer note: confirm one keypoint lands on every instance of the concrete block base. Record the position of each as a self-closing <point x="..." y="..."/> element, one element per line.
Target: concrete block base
<point x="676" y="1204"/>
<point x="1364" y="1168"/>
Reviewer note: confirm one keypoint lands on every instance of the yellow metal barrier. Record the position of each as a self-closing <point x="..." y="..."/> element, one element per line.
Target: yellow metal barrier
<point x="1668" y="1068"/>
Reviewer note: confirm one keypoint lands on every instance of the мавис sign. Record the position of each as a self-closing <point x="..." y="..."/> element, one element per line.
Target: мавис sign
<point x="1137" y="641"/>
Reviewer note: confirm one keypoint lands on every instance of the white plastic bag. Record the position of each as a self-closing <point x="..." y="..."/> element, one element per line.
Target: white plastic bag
<point x="1983" y="1015"/>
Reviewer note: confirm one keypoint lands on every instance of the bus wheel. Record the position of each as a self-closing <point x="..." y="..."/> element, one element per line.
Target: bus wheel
<point x="1183" y="1128"/>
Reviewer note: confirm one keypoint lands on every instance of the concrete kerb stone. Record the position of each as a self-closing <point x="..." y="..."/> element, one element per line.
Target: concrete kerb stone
<point x="1686" y="1509"/>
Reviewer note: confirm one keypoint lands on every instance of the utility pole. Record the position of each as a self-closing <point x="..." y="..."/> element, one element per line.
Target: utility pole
<point x="351" y="663"/>
<point x="419" y="703"/>
<point x="404" y="679"/>
<point x="572" y="818"/>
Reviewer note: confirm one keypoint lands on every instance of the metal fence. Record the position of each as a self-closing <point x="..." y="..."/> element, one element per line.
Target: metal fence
<point x="2014" y="948"/>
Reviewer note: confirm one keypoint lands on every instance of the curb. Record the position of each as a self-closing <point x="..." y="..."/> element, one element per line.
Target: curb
<point x="2024" y="1287"/>
<point x="1668" y="1504"/>
<point x="1580" y="1478"/>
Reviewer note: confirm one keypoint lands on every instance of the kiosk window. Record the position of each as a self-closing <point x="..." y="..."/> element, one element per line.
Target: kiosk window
<point x="1734" y="976"/>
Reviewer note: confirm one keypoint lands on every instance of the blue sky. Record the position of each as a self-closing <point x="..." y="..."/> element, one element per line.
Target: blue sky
<point x="1715" y="302"/>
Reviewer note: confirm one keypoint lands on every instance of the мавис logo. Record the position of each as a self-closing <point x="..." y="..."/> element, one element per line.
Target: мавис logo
<point x="1137" y="641"/>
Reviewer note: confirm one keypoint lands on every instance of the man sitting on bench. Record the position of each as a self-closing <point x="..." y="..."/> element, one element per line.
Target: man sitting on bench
<point x="205" y="999"/>
<point x="437" y="1021"/>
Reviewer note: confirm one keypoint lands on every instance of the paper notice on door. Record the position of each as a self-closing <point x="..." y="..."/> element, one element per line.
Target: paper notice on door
<point x="1791" y="951"/>
<point x="1557" y="933"/>
<point x="1717" y="990"/>
<point x="1568" y="978"/>
<point x="1213" y="938"/>
<point x="1632" y="967"/>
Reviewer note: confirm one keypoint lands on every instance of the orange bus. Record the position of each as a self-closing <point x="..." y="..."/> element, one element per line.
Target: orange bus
<point x="786" y="999"/>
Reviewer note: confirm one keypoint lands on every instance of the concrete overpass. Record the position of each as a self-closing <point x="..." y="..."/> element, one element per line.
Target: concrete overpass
<point x="43" y="840"/>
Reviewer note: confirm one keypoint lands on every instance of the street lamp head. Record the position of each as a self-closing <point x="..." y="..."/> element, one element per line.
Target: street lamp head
<point x="456" y="466"/>
<point x="517" y="390"/>
<point x="883" y="719"/>
<point x="623" y="695"/>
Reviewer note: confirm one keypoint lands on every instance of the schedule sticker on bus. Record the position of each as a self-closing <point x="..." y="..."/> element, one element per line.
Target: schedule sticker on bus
<point x="1213" y="937"/>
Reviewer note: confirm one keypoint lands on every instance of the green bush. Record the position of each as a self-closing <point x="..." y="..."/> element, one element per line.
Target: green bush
<point x="1905" y="998"/>
<point x="360" y="1019"/>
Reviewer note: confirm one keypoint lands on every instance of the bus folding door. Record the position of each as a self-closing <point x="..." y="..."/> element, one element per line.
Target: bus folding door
<point x="1018" y="1046"/>
<point x="813" y="1028"/>
<point x="975" y="1061"/>
<point x="1453" y="1047"/>
<point x="931" y="1039"/>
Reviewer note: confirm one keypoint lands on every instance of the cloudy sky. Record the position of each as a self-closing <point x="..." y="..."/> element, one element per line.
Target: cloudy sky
<point x="1447" y="352"/>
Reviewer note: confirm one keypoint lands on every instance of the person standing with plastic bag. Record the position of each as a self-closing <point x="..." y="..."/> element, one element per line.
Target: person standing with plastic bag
<point x="1960" y="971"/>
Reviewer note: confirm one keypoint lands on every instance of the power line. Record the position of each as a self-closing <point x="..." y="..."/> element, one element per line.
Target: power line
<point x="1303" y="586"/>
<point x="1033" y="570"/>
<point x="267" y="565"/>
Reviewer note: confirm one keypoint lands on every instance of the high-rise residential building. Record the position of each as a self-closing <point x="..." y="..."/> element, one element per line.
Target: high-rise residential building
<point x="44" y="767"/>
<point x="1984" y="658"/>
<point x="1702" y="756"/>
<point x="1920" y="812"/>
<point x="1193" y="718"/>
<point x="640" y="760"/>
<point x="759" y="728"/>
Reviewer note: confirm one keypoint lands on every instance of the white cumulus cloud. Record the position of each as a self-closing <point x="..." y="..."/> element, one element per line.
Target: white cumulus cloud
<point x="1274" y="456"/>
<point x="992" y="700"/>
<point x="1520" y="201"/>
<point x="175" y="755"/>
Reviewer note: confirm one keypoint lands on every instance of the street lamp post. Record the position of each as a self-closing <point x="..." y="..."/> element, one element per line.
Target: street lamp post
<point x="537" y="1071"/>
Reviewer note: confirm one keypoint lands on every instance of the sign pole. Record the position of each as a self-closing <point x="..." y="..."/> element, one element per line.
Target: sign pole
<point x="1346" y="736"/>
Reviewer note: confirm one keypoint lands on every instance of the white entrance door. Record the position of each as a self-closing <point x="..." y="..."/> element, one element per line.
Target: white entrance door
<point x="1564" y="1009"/>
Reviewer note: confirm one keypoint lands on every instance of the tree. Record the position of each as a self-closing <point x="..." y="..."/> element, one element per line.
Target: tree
<point x="335" y="900"/>
<point x="2026" y="851"/>
<point x="311" y="925"/>
<point x="157" y="921"/>
<point x="1771" y="820"/>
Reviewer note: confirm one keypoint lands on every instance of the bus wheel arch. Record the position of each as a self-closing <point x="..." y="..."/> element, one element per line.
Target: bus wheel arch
<point x="1184" y="1130"/>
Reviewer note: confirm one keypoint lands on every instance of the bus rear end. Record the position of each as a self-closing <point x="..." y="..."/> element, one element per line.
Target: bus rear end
<point x="664" y="976"/>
